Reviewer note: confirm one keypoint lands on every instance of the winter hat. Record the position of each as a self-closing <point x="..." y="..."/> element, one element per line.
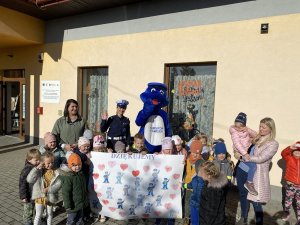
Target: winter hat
<point x="196" y="146"/>
<point x="49" y="137"/>
<point x="166" y="143"/>
<point x="220" y="148"/>
<point x="74" y="159"/>
<point x="242" y="118"/>
<point x="83" y="141"/>
<point x="88" y="134"/>
<point x="99" y="141"/>
<point x="177" y="140"/>
<point x="119" y="147"/>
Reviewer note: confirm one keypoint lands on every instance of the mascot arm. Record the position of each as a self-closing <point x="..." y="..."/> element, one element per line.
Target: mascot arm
<point x="145" y="113"/>
<point x="141" y="119"/>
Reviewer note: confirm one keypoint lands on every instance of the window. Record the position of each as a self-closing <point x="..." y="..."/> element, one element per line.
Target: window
<point x="93" y="87"/>
<point x="192" y="98"/>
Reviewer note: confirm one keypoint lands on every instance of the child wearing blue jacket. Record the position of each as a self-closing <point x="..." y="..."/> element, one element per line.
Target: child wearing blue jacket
<point x="196" y="185"/>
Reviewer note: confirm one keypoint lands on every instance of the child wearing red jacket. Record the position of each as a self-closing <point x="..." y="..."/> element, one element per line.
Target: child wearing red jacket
<point x="292" y="177"/>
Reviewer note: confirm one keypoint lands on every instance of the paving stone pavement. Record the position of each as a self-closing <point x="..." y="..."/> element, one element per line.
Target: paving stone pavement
<point x="12" y="157"/>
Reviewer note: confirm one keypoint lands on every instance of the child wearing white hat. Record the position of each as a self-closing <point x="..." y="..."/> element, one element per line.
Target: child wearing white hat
<point x="178" y="144"/>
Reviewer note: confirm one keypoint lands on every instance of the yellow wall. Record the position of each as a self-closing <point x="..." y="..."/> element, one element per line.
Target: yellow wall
<point x="256" y="73"/>
<point x="19" y="29"/>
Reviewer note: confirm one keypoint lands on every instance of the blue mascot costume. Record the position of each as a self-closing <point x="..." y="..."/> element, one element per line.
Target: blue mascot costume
<point x="152" y="119"/>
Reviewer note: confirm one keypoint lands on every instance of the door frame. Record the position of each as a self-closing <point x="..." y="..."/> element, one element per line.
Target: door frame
<point x="21" y="82"/>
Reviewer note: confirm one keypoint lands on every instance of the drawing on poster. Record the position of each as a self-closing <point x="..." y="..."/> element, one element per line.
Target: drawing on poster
<point x="124" y="186"/>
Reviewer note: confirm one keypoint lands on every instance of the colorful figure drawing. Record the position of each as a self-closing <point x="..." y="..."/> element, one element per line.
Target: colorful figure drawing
<point x="119" y="177"/>
<point x="158" y="200"/>
<point x="165" y="183"/>
<point x="109" y="191"/>
<point x="132" y="210"/>
<point x="150" y="189"/>
<point x="105" y="176"/>
<point x="120" y="203"/>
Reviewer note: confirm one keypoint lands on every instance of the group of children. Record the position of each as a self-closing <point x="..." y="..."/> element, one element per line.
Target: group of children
<point x="207" y="175"/>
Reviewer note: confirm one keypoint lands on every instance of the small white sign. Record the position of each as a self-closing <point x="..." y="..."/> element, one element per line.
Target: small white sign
<point x="50" y="91"/>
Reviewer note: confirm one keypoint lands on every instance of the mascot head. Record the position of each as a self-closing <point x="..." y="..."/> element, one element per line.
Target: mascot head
<point x="156" y="93"/>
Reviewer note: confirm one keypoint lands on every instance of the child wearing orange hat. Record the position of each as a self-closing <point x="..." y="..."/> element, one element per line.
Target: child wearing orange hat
<point x="192" y="163"/>
<point x="74" y="190"/>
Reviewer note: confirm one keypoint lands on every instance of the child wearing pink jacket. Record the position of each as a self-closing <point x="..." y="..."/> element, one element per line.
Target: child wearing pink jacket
<point x="242" y="139"/>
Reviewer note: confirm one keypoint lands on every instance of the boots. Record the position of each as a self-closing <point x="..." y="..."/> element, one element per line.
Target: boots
<point x="242" y="221"/>
<point x="250" y="187"/>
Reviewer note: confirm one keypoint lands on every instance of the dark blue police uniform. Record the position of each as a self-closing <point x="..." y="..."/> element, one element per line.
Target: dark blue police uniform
<point x="119" y="128"/>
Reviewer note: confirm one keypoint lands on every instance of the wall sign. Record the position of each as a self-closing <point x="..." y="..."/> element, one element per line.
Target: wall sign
<point x="50" y="91"/>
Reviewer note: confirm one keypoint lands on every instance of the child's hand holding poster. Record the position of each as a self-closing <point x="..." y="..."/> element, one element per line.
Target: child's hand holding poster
<point x="136" y="186"/>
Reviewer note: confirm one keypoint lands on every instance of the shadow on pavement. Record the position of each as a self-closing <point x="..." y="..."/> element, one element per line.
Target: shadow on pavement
<point x="18" y="146"/>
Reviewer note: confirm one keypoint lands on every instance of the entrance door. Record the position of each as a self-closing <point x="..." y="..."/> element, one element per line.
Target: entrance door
<point x="12" y="101"/>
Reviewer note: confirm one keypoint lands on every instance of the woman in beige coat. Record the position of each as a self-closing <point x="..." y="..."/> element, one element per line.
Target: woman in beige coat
<point x="265" y="147"/>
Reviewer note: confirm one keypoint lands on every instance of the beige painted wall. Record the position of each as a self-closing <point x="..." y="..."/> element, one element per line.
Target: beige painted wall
<point x="19" y="29"/>
<point x="256" y="73"/>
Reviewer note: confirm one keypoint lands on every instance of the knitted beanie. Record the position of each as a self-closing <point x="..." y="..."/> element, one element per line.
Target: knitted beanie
<point x="242" y="118"/>
<point x="83" y="141"/>
<point x="119" y="147"/>
<point x="220" y="148"/>
<point x="99" y="141"/>
<point x="49" y="137"/>
<point x="74" y="159"/>
<point x="166" y="143"/>
<point x="88" y="134"/>
<point x="196" y="146"/>
<point x="177" y="140"/>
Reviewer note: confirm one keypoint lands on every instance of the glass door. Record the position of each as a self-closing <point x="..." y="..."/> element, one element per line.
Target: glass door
<point x="192" y="97"/>
<point x="93" y="91"/>
<point x="12" y="101"/>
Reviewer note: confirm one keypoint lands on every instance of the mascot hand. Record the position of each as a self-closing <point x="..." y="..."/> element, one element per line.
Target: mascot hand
<point x="148" y="107"/>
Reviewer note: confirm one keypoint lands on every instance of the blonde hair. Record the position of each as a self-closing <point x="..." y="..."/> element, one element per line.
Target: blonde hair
<point x="33" y="153"/>
<point x="271" y="124"/>
<point x="211" y="169"/>
<point x="46" y="155"/>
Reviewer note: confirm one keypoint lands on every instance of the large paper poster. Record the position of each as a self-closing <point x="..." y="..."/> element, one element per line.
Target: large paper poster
<point x="136" y="186"/>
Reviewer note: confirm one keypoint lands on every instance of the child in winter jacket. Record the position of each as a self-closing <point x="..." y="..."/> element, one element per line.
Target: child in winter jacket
<point x="74" y="190"/>
<point x="196" y="185"/>
<point x="213" y="195"/>
<point x="99" y="145"/>
<point x="46" y="186"/>
<point x="166" y="149"/>
<point x="291" y="155"/>
<point x="178" y="148"/>
<point x="191" y="169"/>
<point x="242" y="139"/>
<point x="51" y="146"/>
<point x="138" y="145"/>
<point x="221" y="161"/>
<point x="32" y="159"/>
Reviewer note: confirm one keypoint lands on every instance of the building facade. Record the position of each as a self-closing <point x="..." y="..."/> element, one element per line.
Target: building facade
<point x="218" y="59"/>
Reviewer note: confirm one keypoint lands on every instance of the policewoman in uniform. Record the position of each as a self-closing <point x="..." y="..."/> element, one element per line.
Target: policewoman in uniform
<point x="118" y="125"/>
